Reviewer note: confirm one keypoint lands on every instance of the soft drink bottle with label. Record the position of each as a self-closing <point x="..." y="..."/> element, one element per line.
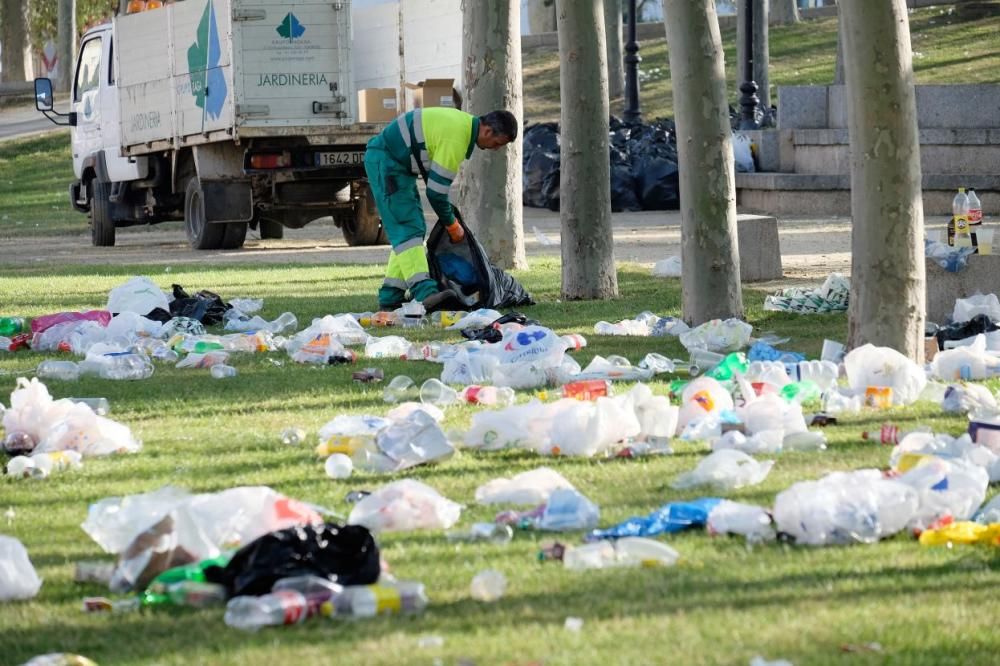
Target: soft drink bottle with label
<point x="975" y="209"/>
<point x="958" y="228"/>
<point x="11" y="326"/>
<point x="275" y="609"/>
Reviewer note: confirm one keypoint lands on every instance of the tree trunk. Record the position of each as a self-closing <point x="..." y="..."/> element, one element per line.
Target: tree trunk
<point x="613" y="33"/>
<point x="66" y="43"/>
<point x="12" y="39"/>
<point x="541" y="16"/>
<point x="887" y="262"/>
<point x="761" y="50"/>
<point x="588" y="257"/>
<point x="838" y="68"/>
<point x="709" y="251"/>
<point x="784" y="12"/>
<point x="490" y="189"/>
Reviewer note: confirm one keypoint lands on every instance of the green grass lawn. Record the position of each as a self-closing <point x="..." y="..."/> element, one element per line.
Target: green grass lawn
<point x="723" y="605"/>
<point x="35" y="174"/>
<point x="946" y="49"/>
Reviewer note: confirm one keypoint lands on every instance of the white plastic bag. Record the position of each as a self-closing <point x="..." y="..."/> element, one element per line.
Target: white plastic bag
<point x="882" y="366"/>
<point x="967" y="308"/>
<point x="702" y="398"/>
<point x="139" y="295"/>
<point x="753" y="522"/>
<point x="415" y="440"/>
<point x="726" y="469"/>
<point x="532" y="487"/>
<point x="968" y="362"/>
<point x="668" y="268"/>
<point x="953" y="487"/>
<point x="18" y="579"/>
<point x="718" y="336"/>
<point x="405" y="505"/>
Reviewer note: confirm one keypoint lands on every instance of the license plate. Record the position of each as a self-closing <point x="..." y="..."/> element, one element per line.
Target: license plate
<point x="345" y="158"/>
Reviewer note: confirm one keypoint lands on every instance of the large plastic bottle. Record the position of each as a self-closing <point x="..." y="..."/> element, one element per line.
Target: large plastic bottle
<point x="488" y="395"/>
<point x="11" y="326"/>
<point x="66" y="371"/>
<point x="958" y="228"/>
<point x="975" y="209"/>
<point x="274" y="609"/>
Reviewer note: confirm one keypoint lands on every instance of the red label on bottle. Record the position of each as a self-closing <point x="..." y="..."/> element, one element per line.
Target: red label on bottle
<point x="293" y="603"/>
<point x="472" y="395"/>
<point x="975" y="216"/>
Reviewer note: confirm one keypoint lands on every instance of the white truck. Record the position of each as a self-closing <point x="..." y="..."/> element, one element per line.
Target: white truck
<point x="227" y="114"/>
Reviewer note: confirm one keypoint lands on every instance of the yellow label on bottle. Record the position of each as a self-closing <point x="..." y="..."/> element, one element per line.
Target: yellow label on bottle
<point x="338" y="444"/>
<point x="387" y="599"/>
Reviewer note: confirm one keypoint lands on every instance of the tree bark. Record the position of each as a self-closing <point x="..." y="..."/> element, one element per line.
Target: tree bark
<point x="761" y="49"/>
<point x="13" y="38"/>
<point x="588" y="260"/>
<point x="613" y="34"/>
<point x="66" y="43"/>
<point x="490" y="188"/>
<point x="887" y="263"/>
<point x="710" y="258"/>
<point x="784" y="12"/>
<point x="541" y="16"/>
<point x="838" y="67"/>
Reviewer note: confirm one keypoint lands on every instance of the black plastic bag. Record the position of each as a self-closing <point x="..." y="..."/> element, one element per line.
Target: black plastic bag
<point x="540" y="162"/>
<point x="464" y="267"/>
<point x="347" y="555"/>
<point x="205" y="306"/>
<point x="981" y="323"/>
<point x="491" y="333"/>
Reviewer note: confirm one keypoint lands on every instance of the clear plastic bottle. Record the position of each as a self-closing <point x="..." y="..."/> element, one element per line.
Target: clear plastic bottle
<point x="196" y="594"/>
<point x="823" y="373"/>
<point x="65" y="371"/>
<point x="480" y="532"/>
<point x="274" y="609"/>
<point x="958" y="228"/>
<point x="285" y="322"/>
<point x="401" y="596"/>
<point x="120" y="366"/>
<point x="975" y="209"/>
<point x="588" y="389"/>
<point x="222" y="371"/>
<point x="502" y="396"/>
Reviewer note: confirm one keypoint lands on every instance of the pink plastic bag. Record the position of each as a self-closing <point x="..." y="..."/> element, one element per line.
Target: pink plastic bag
<point x="39" y="324"/>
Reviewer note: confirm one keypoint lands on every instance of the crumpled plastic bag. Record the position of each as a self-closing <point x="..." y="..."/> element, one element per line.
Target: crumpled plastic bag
<point x="967" y="308"/>
<point x="718" y="336"/>
<point x="726" y="469"/>
<point x="765" y="441"/>
<point x="566" y="509"/>
<point x="39" y="324"/>
<point x="140" y="295"/>
<point x="917" y="445"/>
<point x="403" y="505"/>
<point x="518" y="426"/>
<point x="414" y="440"/>
<point x="703" y="398"/>
<point x="962" y="532"/>
<point x="968" y="362"/>
<point x="343" y="328"/>
<point x="345" y="554"/>
<point x="845" y="507"/>
<point x="951" y="259"/>
<point x="475" y="319"/>
<point x="18" y="579"/>
<point x="668" y="268"/>
<point x="152" y="531"/>
<point x="671" y="517"/>
<point x="205" y="306"/>
<point x="532" y="487"/>
<point x="946" y="488"/>
<point x="320" y="350"/>
<point x="62" y="425"/>
<point x="963" y="398"/>
<point x="882" y="366"/>
<point x="347" y="432"/>
<point x="748" y="520"/>
<point x="832" y="296"/>
<point x="468" y="367"/>
<point x="990" y="512"/>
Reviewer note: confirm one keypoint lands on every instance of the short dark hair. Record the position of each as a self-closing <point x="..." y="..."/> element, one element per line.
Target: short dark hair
<point x="501" y="122"/>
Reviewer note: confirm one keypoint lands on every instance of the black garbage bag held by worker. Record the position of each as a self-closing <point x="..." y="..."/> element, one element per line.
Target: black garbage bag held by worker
<point x="431" y="142"/>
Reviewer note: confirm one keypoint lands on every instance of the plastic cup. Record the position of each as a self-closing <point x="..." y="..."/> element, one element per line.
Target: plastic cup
<point x="434" y="392"/>
<point x="984" y="238"/>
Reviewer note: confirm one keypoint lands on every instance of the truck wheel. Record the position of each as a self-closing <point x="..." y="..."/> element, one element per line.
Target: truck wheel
<point x="102" y="227"/>
<point x="201" y="234"/>
<point x="364" y="226"/>
<point x="271" y="229"/>
<point x="235" y="235"/>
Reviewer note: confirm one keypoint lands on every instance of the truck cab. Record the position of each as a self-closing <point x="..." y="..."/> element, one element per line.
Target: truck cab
<point x="228" y="116"/>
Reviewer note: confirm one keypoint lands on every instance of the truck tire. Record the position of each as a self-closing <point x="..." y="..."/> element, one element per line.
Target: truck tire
<point x="235" y="235"/>
<point x="201" y="234"/>
<point x="363" y="226"/>
<point x="102" y="226"/>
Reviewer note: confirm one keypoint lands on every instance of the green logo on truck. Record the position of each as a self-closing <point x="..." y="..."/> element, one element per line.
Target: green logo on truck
<point x="290" y="27"/>
<point x="208" y="83"/>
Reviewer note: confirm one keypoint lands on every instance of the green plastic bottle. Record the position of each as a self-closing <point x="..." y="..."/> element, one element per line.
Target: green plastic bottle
<point x="730" y="365"/>
<point x="800" y="392"/>
<point x="11" y="326"/>
<point x="173" y="586"/>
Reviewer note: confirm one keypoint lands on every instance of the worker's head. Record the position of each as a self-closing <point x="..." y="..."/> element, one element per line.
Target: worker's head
<point x="496" y="130"/>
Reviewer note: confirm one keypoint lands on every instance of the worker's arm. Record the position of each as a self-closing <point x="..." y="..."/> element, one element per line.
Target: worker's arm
<point x="441" y="174"/>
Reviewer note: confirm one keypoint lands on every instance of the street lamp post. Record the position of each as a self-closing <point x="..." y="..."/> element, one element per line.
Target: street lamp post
<point x="749" y="99"/>
<point x="632" y="60"/>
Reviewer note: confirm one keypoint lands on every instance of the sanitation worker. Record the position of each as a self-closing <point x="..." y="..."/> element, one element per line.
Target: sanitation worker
<point x="431" y="143"/>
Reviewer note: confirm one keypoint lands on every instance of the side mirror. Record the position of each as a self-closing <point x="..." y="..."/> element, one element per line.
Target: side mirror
<point x="43" y="94"/>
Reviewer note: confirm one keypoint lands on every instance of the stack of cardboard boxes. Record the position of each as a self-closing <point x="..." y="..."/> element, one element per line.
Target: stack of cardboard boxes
<point x="380" y="105"/>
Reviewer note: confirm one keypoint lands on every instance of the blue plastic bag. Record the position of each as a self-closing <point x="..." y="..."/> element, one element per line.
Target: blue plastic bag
<point x="671" y="517"/>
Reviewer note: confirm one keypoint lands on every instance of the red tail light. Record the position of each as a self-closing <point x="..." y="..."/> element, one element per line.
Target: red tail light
<point x="270" y="160"/>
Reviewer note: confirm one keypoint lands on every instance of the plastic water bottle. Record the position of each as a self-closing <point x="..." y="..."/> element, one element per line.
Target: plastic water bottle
<point x="100" y="406"/>
<point x="488" y="395"/>
<point x="64" y="371"/>
<point x="286" y="321"/>
<point x="222" y="371"/>
<point x="11" y="326"/>
<point x="588" y="389"/>
<point x="480" y="532"/>
<point x="120" y="366"/>
<point x="274" y="609"/>
<point x="823" y="373"/>
<point x="401" y="596"/>
<point x="958" y="228"/>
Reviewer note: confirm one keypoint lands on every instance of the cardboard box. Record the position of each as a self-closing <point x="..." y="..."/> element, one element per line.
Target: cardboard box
<point x="377" y="105"/>
<point x="433" y="92"/>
